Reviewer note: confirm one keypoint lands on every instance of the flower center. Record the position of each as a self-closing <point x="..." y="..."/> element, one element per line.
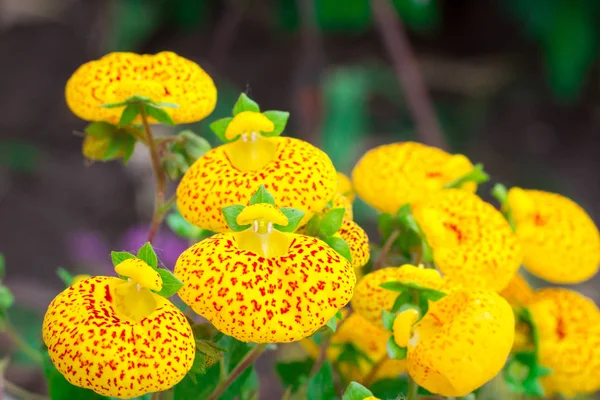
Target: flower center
<point x="262" y="238"/>
<point x="251" y="151"/>
<point x="133" y="299"/>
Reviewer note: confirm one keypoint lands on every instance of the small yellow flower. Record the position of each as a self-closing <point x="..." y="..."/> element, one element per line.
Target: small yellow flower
<point x="164" y="77"/>
<point x="296" y="173"/>
<point x="560" y="241"/>
<point x="357" y="240"/>
<point x="117" y="337"/>
<point x="262" y="285"/>
<point x="518" y="293"/>
<point x="370" y="299"/>
<point x="344" y="187"/>
<point x="568" y="325"/>
<point x="473" y="244"/>
<point x="390" y="176"/>
<point x="461" y="343"/>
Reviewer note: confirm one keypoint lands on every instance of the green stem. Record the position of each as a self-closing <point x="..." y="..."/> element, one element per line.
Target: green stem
<point x="159" y="175"/>
<point x="16" y="338"/>
<point x="250" y="358"/>
<point x="413" y="389"/>
<point x="323" y="348"/>
<point x="387" y="246"/>
<point x="19" y="392"/>
<point x="373" y="372"/>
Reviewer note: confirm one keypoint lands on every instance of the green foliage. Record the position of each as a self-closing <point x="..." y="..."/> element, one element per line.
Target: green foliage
<point x="114" y="141"/>
<point x="171" y="284"/>
<point x="147" y="254"/>
<point x="356" y="391"/>
<point x="394" y="351"/>
<point x="294" y="217"/>
<point x="320" y="385"/>
<point x="279" y="119"/>
<point x="219" y="127"/>
<point x="431" y="294"/>
<point x="184" y="229"/>
<point x="230" y="213"/>
<point x="262" y="196"/>
<point x="156" y="112"/>
<point x="477" y="175"/>
<point x="245" y="103"/>
<point x="331" y="222"/>
<point x="65" y="276"/>
<point x="388" y="319"/>
<point x="118" y="257"/>
<point x="294" y="374"/>
<point x="340" y="246"/>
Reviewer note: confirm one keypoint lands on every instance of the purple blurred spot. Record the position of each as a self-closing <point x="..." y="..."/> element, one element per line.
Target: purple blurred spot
<point x="168" y="247"/>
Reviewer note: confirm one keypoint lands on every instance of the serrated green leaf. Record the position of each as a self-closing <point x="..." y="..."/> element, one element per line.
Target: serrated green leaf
<point x="331" y="222"/>
<point x="279" y="119"/>
<point x="6" y="298"/>
<point x="219" y="127"/>
<point x="230" y="213"/>
<point x="170" y="283"/>
<point x="147" y="254"/>
<point x="394" y="351"/>
<point x="245" y="103"/>
<point x="129" y="114"/>
<point x="261" y="196"/>
<point x="118" y="257"/>
<point x="294" y="217"/>
<point x="65" y="276"/>
<point x="388" y="319"/>
<point x="340" y="246"/>
<point x="159" y="114"/>
<point x="356" y="391"/>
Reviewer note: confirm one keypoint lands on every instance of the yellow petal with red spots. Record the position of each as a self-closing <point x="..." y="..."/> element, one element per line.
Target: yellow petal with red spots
<point x="97" y="346"/>
<point x="248" y="122"/>
<point x="299" y="176"/>
<point x="344" y="187"/>
<point x="518" y="293"/>
<point x="358" y="241"/>
<point x="461" y="343"/>
<point x="164" y="77"/>
<point x="560" y="241"/>
<point x="473" y="244"/>
<point x="265" y="299"/>
<point x="390" y="176"/>
<point x="370" y="299"/>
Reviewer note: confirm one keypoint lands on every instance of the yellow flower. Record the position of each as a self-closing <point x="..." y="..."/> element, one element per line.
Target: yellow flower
<point x="390" y="176"/>
<point x="296" y="173"/>
<point x="262" y="285"/>
<point x="473" y="244"/>
<point x="118" y="338"/>
<point x="568" y="325"/>
<point x="357" y="240"/>
<point x="518" y="293"/>
<point x="461" y="343"/>
<point x="560" y="241"/>
<point x="344" y="187"/>
<point x="370" y="299"/>
<point x="164" y="77"/>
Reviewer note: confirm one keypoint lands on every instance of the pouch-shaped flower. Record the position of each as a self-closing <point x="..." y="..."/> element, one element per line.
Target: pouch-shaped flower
<point x="370" y="298"/>
<point x="560" y="241"/>
<point x="117" y="337"/>
<point x="473" y="244"/>
<point x="164" y="77"/>
<point x="390" y="176"/>
<point x="262" y="285"/>
<point x="461" y="343"/>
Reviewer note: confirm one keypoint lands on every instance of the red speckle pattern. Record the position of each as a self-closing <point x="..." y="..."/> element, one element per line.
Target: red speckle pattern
<point x="265" y="300"/>
<point x="358" y="241"/>
<point x="95" y="348"/>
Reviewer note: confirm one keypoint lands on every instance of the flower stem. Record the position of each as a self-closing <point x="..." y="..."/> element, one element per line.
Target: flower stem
<point x="413" y="389"/>
<point x="19" y="392"/>
<point x="250" y="358"/>
<point x="16" y="338"/>
<point x="387" y="246"/>
<point x="159" y="175"/>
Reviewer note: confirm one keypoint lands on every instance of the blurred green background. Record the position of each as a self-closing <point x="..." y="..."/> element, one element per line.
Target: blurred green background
<point x="514" y="84"/>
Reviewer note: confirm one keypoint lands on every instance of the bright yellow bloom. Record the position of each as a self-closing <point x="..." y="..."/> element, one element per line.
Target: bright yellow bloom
<point x="117" y="337"/>
<point x="164" y="77"/>
<point x="344" y="187"/>
<point x="248" y="121"/>
<point x="390" y="176"/>
<point x="568" y="325"/>
<point x="296" y="173"/>
<point x="461" y="343"/>
<point x="518" y="293"/>
<point x="560" y="241"/>
<point x="265" y="286"/>
<point x="473" y="244"/>
<point x="357" y="240"/>
<point x="370" y="299"/>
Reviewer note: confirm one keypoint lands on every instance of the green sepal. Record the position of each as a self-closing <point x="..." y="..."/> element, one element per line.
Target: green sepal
<point x="356" y="391"/>
<point x="431" y="294"/>
<point x="340" y="246"/>
<point x="245" y="103"/>
<point x="262" y="196"/>
<point x="170" y="283"/>
<point x="331" y="221"/>
<point x="388" y="319"/>
<point x="219" y="127"/>
<point x="394" y="351"/>
<point x="128" y="115"/>
<point x="403" y="298"/>
<point x="230" y="213"/>
<point x="147" y="254"/>
<point x="159" y="114"/>
<point x="294" y="217"/>
<point x="312" y="227"/>
<point x="279" y="119"/>
<point x="476" y="175"/>
<point x="118" y="257"/>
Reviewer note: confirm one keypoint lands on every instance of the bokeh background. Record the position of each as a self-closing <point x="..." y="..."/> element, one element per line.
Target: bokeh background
<point x="512" y="84"/>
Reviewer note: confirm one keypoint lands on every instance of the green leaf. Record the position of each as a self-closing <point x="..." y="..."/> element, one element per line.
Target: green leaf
<point x="100" y="129"/>
<point x="171" y="284"/>
<point x="261" y="196"/>
<point x="118" y="257"/>
<point x="245" y="103"/>
<point x="356" y="391"/>
<point x="184" y="229"/>
<point x="2" y="266"/>
<point x="65" y="276"/>
<point x="6" y="298"/>
<point x="230" y="213"/>
<point x="386" y="224"/>
<point x="500" y="193"/>
<point x="219" y="127"/>
<point x="340" y="246"/>
<point x="115" y="146"/>
<point x="403" y="298"/>
<point x="294" y="217"/>
<point x="279" y="119"/>
<point x="159" y="114"/>
<point x="332" y="323"/>
<point x="114" y="105"/>
<point x="477" y="175"/>
<point x="389" y="388"/>
<point x="128" y="148"/>
<point x="129" y="114"/>
<point x="60" y="389"/>
<point x="147" y="254"/>
<point x="394" y="351"/>
<point x="388" y="319"/>
<point x="320" y="385"/>
<point x="162" y="104"/>
<point x="331" y="222"/>
<point x="294" y="374"/>
<point x="312" y="227"/>
<point x="198" y="367"/>
<point x="194" y="146"/>
<point x="432" y="294"/>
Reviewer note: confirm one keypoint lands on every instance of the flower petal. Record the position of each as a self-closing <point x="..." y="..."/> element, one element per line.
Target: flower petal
<point x="358" y="241"/>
